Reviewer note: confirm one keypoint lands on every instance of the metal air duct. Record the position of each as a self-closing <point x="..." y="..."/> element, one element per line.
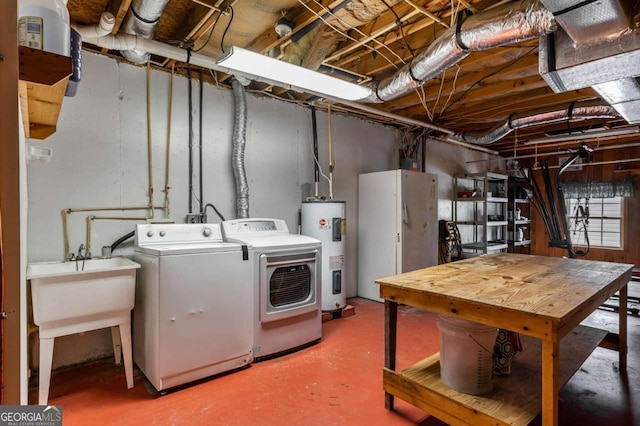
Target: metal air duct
<point x="142" y="20"/>
<point x="239" y="142"/>
<point x="609" y="66"/>
<point x="624" y="96"/>
<point x="587" y="21"/>
<point x="583" y="111"/>
<point x="502" y="25"/>
<point x="567" y="66"/>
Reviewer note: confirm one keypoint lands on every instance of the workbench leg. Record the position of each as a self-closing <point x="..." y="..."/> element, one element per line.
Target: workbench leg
<point x="390" y="333"/>
<point x="622" y="330"/>
<point x="550" y="380"/>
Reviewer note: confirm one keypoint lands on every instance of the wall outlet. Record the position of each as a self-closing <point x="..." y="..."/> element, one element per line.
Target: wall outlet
<point x="194" y="218"/>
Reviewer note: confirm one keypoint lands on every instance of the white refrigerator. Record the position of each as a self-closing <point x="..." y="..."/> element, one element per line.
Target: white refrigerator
<point x="397" y="226"/>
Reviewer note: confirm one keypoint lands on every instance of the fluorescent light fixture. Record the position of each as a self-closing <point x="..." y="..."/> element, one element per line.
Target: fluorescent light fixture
<point x="585" y="135"/>
<point x="263" y="68"/>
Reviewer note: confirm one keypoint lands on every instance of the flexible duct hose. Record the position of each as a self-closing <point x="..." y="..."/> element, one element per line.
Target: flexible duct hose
<point x="239" y="142"/>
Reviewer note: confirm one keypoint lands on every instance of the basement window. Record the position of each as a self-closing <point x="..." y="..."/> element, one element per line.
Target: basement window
<point x="603" y="226"/>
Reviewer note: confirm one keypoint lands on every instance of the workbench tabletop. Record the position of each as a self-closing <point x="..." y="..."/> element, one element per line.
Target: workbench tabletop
<point x="548" y="287"/>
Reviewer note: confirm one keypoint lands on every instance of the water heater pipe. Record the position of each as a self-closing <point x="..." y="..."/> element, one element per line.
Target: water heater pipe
<point x="316" y="168"/>
<point x="149" y="141"/>
<point x="66" y="212"/>
<point x="167" y="187"/>
<point x="331" y="164"/>
<point x="101" y="29"/>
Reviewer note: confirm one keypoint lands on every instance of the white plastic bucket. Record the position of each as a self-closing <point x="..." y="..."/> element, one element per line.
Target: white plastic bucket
<point x="466" y="355"/>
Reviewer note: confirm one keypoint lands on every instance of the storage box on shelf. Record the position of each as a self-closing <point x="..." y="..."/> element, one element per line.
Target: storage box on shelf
<point x="519" y="216"/>
<point x="43" y="81"/>
<point x="480" y="212"/>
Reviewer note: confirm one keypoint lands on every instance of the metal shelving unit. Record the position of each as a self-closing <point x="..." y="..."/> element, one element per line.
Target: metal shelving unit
<point x="518" y="217"/>
<point x="480" y="212"/>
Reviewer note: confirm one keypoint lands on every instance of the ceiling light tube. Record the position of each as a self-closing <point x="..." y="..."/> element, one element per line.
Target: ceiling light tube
<point x="256" y="67"/>
<point x="585" y="135"/>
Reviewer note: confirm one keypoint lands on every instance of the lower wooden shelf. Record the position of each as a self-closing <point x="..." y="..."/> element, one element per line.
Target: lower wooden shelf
<point x="515" y="399"/>
<point x="43" y="82"/>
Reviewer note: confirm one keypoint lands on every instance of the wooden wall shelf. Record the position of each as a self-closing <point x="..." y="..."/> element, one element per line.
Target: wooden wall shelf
<point x="43" y="82"/>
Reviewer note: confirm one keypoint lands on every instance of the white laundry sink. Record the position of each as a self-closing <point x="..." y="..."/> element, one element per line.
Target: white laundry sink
<point x="63" y="296"/>
<point x="74" y="297"/>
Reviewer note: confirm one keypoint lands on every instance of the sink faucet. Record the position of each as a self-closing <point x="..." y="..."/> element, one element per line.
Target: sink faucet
<point x="82" y="256"/>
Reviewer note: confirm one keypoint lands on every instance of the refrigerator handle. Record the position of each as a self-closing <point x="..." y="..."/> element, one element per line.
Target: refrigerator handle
<point x="405" y="213"/>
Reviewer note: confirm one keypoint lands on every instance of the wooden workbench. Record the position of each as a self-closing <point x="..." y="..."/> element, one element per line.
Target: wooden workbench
<point x="542" y="297"/>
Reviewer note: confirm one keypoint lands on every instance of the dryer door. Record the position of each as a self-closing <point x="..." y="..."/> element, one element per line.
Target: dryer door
<point x="288" y="284"/>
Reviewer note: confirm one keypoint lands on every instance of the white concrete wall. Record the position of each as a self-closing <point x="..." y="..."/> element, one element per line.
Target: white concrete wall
<point x="100" y="159"/>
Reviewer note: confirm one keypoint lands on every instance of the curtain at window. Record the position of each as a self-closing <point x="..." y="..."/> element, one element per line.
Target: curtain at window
<point x="606" y="189"/>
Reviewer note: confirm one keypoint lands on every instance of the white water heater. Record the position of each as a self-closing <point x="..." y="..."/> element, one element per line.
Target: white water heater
<point x="326" y="221"/>
<point x="44" y="25"/>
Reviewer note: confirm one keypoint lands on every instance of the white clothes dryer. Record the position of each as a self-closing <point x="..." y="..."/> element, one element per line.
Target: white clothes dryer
<point x="288" y="314"/>
<point x="193" y="315"/>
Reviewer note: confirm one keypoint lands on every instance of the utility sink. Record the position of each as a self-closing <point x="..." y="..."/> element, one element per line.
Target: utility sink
<point x="74" y="297"/>
<point x="63" y="296"/>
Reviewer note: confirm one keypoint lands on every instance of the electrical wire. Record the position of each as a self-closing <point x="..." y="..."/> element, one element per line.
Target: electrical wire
<point x="200" y="136"/>
<point x="215" y="210"/>
<point x="453" y="89"/>
<point x="224" y="34"/>
<point x="399" y="25"/>
<point x="190" y="102"/>
<point x="315" y="159"/>
<point x="492" y="73"/>
<point x="365" y="45"/>
<point x="211" y="30"/>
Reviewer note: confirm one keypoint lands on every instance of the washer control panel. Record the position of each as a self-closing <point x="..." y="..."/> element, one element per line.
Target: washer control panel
<point x="148" y="234"/>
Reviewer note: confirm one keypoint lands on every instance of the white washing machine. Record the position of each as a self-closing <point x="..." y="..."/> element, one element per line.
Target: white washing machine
<point x="287" y="291"/>
<point x="193" y="314"/>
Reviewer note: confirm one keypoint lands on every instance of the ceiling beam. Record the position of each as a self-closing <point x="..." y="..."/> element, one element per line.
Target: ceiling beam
<point x="119" y="9"/>
<point x="300" y="16"/>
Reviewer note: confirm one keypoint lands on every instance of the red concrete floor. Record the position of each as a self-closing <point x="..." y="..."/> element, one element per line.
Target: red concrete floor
<point x="336" y="382"/>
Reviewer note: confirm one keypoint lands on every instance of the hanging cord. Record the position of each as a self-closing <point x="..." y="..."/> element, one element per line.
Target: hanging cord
<point x="213" y="27"/>
<point x="399" y="25"/>
<point x="224" y="34"/>
<point x="215" y="210"/>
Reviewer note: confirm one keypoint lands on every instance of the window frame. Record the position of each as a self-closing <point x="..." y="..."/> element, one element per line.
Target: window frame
<point x="621" y="219"/>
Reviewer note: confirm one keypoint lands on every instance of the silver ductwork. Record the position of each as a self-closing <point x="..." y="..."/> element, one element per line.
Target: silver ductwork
<point x="502" y="25"/>
<point x="610" y="66"/>
<point x="587" y="21"/>
<point x="624" y="96"/>
<point x="567" y="66"/>
<point x="142" y="20"/>
<point x="239" y="142"/>
<point x="582" y="111"/>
